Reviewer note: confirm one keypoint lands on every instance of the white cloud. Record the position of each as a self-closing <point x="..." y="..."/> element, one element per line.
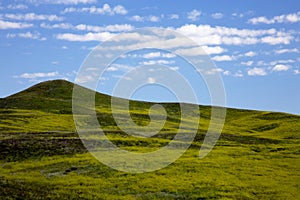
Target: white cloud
<point x="66" y="2"/>
<point x="214" y="71"/>
<point x="111" y="28"/>
<point x="174" y="68"/>
<point x="85" y="27"/>
<point x="168" y="55"/>
<point x="240" y="15"/>
<point x="155" y="62"/>
<point x="55" y="62"/>
<point x="193" y="15"/>
<point x="115" y="67"/>
<point x="85" y="78"/>
<point x="287" y="18"/>
<point x="112" y="69"/>
<point x="296" y="71"/>
<point x="217" y="15"/>
<point x="262" y="63"/>
<point x="273" y="40"/>
<point x="27" y="35"/>
<point x="256" y="72"/>
<point x="138" y="18"/>
<point x="37" y="75"/>
<point x="248" y="63"/>
<point x="33" y="16"/>
<point x="258" y="20"/>
<point x="222" y="58"/>
<point x="226" y="73"/>
<point x="238" y="74"/>
<point x="106" y="9"/>
<point x="13" y="25"/>
<point x="209" y="35"/>
<point x="280" y="67"/>
<point x="60" y="26"/>
<point x="120" y="10"/>
<point x="250" y="54"/>
<point x="213" y="50"/>
<point x="203" y="50"/>
<point x="157" y="55"/>
<point x="122" y="77"/>
<point x="85" y="37"/>
<point x="17" y="6"/>
<point x="153" y="18"/>
<point x="151" y="80"/>
<point x="282" y="61"/>
<point x="173" y="16"/>
<point x="281" y="51"/>
<point x="152" y="55"/>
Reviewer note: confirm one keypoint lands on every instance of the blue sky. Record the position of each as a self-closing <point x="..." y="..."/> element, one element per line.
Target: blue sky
<point x="254" y="44"/>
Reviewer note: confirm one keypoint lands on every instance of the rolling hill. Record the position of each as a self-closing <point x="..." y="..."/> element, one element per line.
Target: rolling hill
<point x="257" y="155"/>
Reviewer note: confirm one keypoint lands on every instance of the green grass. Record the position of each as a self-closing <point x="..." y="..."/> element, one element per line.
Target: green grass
<point x="42" y="157"/>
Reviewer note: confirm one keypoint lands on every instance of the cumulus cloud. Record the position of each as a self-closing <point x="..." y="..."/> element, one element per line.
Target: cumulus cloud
<point x="27" y="35"/>
<point x="138" y="18"/>
<point x="281" y="51"/>
<point x="37" y="75"/>
<point x="222" y="58"/>
<point x="213" y="49"/>
<point x="240" y="15"/>
<point x="66" y="2"/>
<point x="151" y="80"/>
<point x="33" y="17"/>
<point x="248" y="63"/>
<point x="159" y="62"/>
<point x="282" y="61"/>
<point x="173" y="16"/>
<point x="85" y="27"/>
<point x="193" y="15"/>
<point x="106" y="9"/>
<point x="217" y="15"/>
<point x="287" y="18"/>
<point x="17" y="6"/>
<point x="274" y="40"/>
<point x="157" y="55"/>
<point x="153" y="18"/>
<point x="226" y="73"/>
<point x="256" y="72"/>
<point x="238" y="74"/>
<point x="280" y="67"/>
<point x="250" y="54"/>
<point x="209" y="35"/>
<point x="203" y="50"/>
<point x="111" y="69"/>
<point x="111" y="28"/>
<point x="14" y="25"/>
<point x="60" y="26"/>
<point x="214" y="71"/>
<point x="85" y="37"/>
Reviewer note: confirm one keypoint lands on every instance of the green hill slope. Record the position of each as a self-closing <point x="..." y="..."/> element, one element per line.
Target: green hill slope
<point x="256" y="157"/>
<point x="51" y="96"/>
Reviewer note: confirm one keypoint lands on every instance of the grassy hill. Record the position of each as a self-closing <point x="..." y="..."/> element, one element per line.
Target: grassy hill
<point x="256" y="157"/>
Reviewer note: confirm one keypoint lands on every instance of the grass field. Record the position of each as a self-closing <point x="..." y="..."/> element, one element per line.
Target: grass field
<point x="42" y="157"/>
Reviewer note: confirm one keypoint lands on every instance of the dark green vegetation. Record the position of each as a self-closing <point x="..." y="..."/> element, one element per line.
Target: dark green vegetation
<point x="42" y="157"/>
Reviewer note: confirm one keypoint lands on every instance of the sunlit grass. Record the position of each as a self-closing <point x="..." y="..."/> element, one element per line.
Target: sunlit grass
<point x="256" y="157"/>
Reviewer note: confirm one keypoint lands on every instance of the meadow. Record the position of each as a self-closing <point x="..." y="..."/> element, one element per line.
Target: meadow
<point x="42" y="157"/>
